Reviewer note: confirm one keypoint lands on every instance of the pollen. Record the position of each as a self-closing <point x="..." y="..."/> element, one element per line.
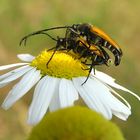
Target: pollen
<point x="62" y="65"/>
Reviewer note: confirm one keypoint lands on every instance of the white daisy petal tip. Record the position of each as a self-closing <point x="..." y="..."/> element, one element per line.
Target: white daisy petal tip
<point x="5" y="106"/>
<point x="117" y="86"/>
<point x="129" y="91"/>
<point x="32" y="121"/>
<point x="4" y="67"/>
<point x="26" y="57"/>
<point x="122" y="116"/>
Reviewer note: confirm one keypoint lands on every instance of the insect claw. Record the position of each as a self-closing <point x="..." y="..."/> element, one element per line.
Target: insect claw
<point x="85" y="81"/>
<point x="47" y="65"/>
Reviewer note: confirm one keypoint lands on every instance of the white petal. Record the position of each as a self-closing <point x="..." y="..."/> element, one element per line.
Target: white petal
<point x="111" y="81"/>
<point x="127" y="104"/>
<point x="12" y="65"/>
<point x="55" y="102"/>
<point x="102" y="76"/>
<point x="4" y="76"/>
<point x="26" y="57"/>
<point x="15" y="74"/>
<point x="115" y="85"/>
<point x="25" y="84"/>
<point x="77" y="83"/>
<point x="118" y="108"/>
<point x="67" y="93"/>
<point x="122" y="116"/>
<point x="92" y="93"/>
<point x="43" y="94"/>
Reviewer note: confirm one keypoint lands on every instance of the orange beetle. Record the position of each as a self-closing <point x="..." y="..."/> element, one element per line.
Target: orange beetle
<point x="96" y="36"/>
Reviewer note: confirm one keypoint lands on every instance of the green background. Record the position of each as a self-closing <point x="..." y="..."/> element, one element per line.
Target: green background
<point x="120" y="19"/>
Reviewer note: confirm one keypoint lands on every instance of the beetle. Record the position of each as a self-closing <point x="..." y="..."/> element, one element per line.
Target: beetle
<point x="92" y="35"/>
<point x="85" y="41"/>
<point x="96" y="36"/>
<point x="72" y="41"/>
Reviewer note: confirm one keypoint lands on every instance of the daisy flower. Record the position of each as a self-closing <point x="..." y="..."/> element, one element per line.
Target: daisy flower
<point x="60" y="84"/>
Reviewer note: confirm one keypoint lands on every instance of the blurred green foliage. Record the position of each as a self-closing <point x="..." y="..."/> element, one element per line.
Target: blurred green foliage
<point x="120" y="19"/>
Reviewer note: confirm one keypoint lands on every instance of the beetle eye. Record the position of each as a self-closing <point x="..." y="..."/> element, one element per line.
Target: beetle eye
<point x="109" y="62"/>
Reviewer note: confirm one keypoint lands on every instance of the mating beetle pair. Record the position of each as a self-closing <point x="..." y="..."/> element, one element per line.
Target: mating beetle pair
<point x="87" y="42"/>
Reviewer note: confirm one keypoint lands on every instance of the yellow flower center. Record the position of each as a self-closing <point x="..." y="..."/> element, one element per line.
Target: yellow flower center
<point x="62" y="65"/>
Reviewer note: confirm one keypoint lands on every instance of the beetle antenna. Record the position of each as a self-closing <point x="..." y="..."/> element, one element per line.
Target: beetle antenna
<point x="41" y="32"/>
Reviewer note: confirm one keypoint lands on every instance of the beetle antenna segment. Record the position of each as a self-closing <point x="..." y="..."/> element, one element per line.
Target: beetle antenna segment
<point x="42" y="32"/>
<point x="49" y="36"/>
<point x="24" y="39"/>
